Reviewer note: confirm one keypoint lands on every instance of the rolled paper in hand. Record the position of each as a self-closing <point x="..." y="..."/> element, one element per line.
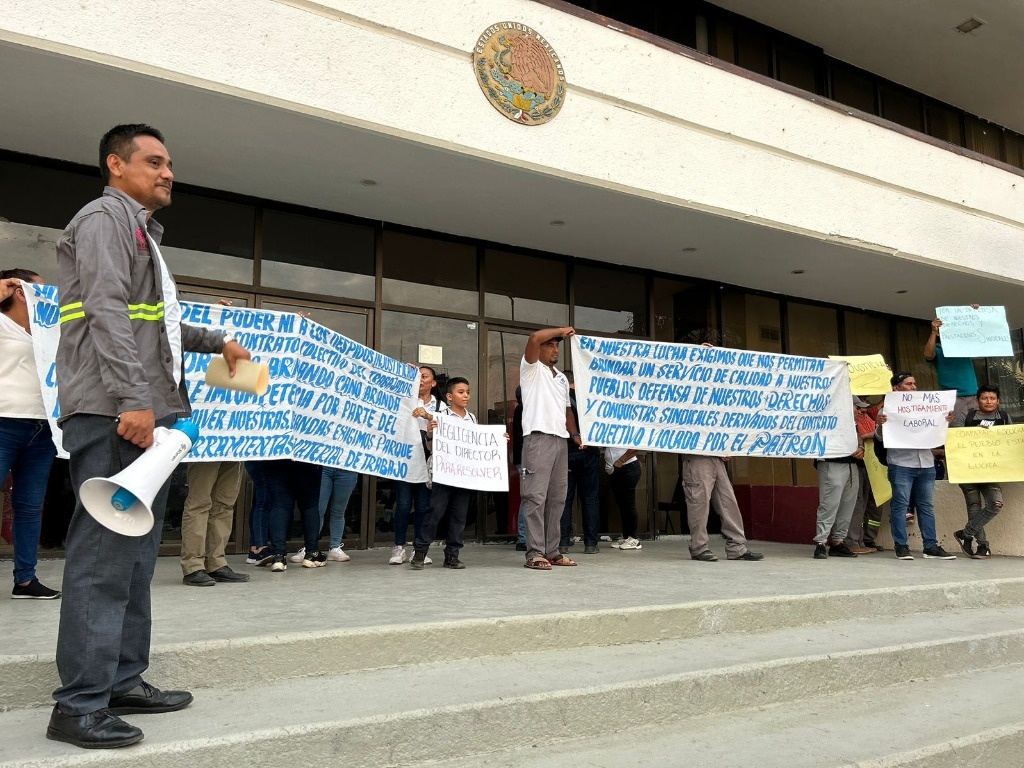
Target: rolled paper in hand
<point x="249" y="376"/>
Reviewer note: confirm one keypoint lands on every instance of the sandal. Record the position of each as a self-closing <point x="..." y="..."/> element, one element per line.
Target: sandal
<point x="564" y="560"/>
<point x="538" y="564"/>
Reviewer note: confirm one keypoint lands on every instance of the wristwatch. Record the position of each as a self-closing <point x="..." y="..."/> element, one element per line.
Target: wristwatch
<point x="229" y="336"/>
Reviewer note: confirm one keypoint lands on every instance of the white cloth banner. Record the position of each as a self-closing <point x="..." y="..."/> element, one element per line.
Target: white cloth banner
<point x="970" y="332"/>
<point x="917" y="419"/>
<point x="468" y="455"/>
<point x="331" y="400"/>
<point x="685" y="398"/>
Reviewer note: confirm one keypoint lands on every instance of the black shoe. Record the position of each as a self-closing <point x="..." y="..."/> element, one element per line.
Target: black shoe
<point x="966" y="542"/>
<point x="144" y="699"/>
<point x="903" y="552"/>
<point x="591" y="550"/>
<point x="96" y="730"/>
<point x="198" y="579"/>
<point x="707" y="556"/>
<point x="316" y="559"/>
<point x="33" y="591"/>
<point x="748" y="555"/>
<point x="841" y="550"/>
<point x="418" y="561"/>
<point x="820" y="553"/>
<point x="938" y="553"/>
<point x="520" y="547"/>
<point x="982" y="552"/>
<point x="226" y="574"/>
<point x="452" y="561"/>
<point x="279" y="563"/>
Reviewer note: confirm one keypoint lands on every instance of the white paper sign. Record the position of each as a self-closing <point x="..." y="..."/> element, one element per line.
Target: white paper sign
<point x="468" y="455"/>
<point x="969" y="332"/>
<point x="916" y="419"/>
<point x="686" y="398"/>
<point x="331" y="401"/>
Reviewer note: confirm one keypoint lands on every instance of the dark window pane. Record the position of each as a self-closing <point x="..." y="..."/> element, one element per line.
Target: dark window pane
<point x="853" y="88"/>
<point x="525" y="289"/>
<point x="754" y="50"/>
<point x="725" y="41"/>
<point x="303" y="253"/>
<point x="610" y="301"/>
<point x="901" y="106"/>
<point x="983" y="137"/>
<point x="1014" y="144"/>
<point x="430" y="273"/>
<point x="797" y="68"/>
<point x="44" y="197"/>
<point x="944" y="123"/>
<point x="208" y="238"/>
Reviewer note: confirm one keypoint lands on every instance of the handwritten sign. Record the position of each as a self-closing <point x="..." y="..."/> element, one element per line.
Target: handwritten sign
<point x="916" y="419"/>
<point x="878" y="474"/>
<point x="331" y="401"/>
<point x="969" y="332"/>
<point x="468" y="455"/>
<point x="980" y="455"/>
<point x="684" y="398"/>
<point x="869" y="374"/>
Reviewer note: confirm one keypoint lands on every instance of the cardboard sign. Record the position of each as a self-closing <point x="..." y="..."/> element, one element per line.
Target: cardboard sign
<point x="985" y="455"/>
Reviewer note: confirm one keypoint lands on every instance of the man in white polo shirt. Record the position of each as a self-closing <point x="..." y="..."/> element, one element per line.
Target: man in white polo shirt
<point x="547" y="423"/>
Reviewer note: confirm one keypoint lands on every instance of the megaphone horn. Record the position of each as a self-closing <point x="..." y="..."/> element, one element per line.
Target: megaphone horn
<point x="123" y="502"/>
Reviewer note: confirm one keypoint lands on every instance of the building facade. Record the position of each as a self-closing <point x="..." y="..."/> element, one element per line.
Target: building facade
<point x="707" y="177"/>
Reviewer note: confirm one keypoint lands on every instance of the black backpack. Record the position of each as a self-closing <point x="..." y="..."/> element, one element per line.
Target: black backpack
<point x="972" y="415"/>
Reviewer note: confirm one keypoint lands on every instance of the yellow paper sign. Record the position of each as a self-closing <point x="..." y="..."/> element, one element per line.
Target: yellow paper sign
<point x="878" y="475"/>
<point x="980" y="455"/>
<point x="869" y="375"/>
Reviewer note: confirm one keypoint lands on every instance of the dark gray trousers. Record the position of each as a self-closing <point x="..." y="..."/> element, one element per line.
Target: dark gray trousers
<point x="105" y="616"/>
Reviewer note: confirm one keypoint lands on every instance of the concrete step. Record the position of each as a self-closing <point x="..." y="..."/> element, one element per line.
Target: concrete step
<point x="262" y="658"/>
<point x="952" y="722"/>
<point x="456" y="708"/>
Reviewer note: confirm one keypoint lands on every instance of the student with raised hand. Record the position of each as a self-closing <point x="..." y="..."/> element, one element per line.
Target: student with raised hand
<point x="987" y="414"/>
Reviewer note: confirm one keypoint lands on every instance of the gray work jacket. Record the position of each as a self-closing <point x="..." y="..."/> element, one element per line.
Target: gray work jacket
<point x="114" y="355"/>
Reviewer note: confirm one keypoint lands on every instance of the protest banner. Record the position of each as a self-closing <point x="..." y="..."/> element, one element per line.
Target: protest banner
<point x="869" y="374"/>
<point x="330" y="401"/>
<point x="468" y="455"/>
<point x="878" y="474"/>
<point x="969" y="332"/>
<point x="916" y="419"/>
<point x="985" y="455"/>
<point x="685" y="398"/>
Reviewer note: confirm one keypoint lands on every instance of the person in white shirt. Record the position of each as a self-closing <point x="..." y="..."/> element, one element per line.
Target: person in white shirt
<point x="547" y="423"/>
<point x="26" y="446"/>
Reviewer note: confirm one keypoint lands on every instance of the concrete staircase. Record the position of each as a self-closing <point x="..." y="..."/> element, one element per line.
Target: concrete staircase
<point x="923" y="675"/>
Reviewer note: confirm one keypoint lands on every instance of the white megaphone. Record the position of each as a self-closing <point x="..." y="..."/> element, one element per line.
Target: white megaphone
<point x="122" y="502"/>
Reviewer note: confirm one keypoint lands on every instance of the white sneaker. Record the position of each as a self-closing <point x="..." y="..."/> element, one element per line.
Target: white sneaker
<point x="427" y="560"/>
<point x="398" y="556"/>
<point x="337" y="555"/>
<point x="630" y="544"/>
<point x="298" y="557"/>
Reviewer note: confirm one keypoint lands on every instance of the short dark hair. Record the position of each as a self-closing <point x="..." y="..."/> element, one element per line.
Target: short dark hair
<point x="22" y="274"/>
<point x="900" y="377"/>
<point x="988" y="388"/>
<point x="120" y="141"/>
<point x="455" y="381"/>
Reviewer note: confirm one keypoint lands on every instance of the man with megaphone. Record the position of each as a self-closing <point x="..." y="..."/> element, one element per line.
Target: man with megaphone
<point x="119" y="376"/>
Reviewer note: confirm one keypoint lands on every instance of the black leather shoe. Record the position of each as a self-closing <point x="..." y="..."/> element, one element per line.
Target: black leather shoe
<point x="748" y="555"/>
<point x="144" y="699"/>
<point x="198" y="579"/>
<point x="706" y="556"/>
<point x="226" y="574"/>
<point x="97" y="730"/>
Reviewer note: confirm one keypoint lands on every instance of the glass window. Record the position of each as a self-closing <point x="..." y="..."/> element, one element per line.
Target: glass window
<point x="753" y="50"/>
<point x="983" y="137"/>
<point x="867" y="334"/>
<point x="1014" y="144"/>
<point x="430" y="273"/>
<point x="724" y="41"/>
<point x="351" y="325"/>
<point x="525" y="289"/>
<point x="797" y="67"/>
<point x="208" y="238"/>
<point x="684" y="313"/>
<point x="609" y="301"/>
<point x="944" y="123"/>
<point x="901" y="106"/>
<point x="853" y="88"/>
<point x="314" y="255"/>
<point x="1007" y="374"/>
<point x="911" y="336"/>
<point x="812" y="330"/>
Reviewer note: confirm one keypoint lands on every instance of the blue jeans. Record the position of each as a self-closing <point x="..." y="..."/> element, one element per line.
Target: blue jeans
<point x="583" y="469"/>
<point x="27" y="451"/>
<point x="290" y="484"/>
<point x="919" y="482"/>
<point x="408" y="495"/>
<point x="336" y="486"/>
<point x="259" y="516"/>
